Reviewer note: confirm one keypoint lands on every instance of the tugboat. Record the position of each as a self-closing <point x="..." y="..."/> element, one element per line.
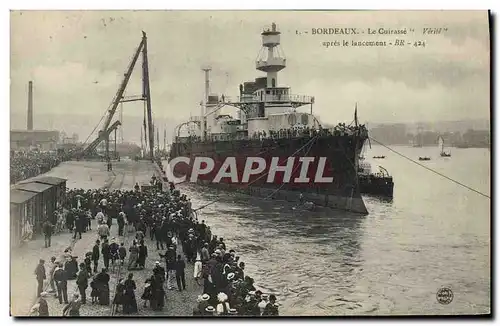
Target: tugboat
<point x="269" y="130"/>
<point x="377" y="184"/>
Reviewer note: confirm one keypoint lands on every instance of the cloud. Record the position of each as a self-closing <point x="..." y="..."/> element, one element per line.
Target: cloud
<point x="66" y="52"/>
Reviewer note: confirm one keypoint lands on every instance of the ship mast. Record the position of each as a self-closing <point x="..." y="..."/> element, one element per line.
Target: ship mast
<point x="274" y="61"/>
<point x="205" y="103"/>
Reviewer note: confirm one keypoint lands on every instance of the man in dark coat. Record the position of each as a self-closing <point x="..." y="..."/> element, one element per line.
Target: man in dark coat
<point x="143" y="253"/>
<point x="106" y="255"/>
<point x="40" y="276"/>
<point x="159" y="236"/>
<point x="180" y="266"/>
<point x="95" y="255"/>
<point x="102" y="280"/>
<point x="121" y="223"/>
<point x="61" y="278"/>
<point x="47" y="231"/>
<point x="82" y="280"/>
<point x="78" y="227"/>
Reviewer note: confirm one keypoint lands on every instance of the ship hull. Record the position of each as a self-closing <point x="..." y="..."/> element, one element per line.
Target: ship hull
<point x="339" y="153"/>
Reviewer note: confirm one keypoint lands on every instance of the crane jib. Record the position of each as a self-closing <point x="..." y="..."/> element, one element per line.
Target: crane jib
<point x="106" y="129"/>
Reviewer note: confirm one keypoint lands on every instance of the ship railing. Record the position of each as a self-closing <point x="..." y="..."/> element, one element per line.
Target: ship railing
<point x="274" y="98"/>
<point x="271" y="62"/>
<point x="195" y="118"/>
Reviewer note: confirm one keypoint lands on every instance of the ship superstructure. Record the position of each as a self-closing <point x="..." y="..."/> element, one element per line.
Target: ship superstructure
<point x="269" y="125"/>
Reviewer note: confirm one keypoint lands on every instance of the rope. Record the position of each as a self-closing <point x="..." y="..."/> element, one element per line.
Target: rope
<point x="93" y="130"/>
<point x="260" y="177"/>
<point x="295" y="169"/>
<point x="434" y="171"/>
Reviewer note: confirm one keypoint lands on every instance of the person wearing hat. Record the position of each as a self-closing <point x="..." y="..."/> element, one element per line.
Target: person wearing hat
<point x="209" y="311"/>
<point x="205" y="255"/>
<point x="253" y="303"/>
<point x="271" y="308"/>
<point x="106" y="254"/>
<point x="233" y="312"/>
<point x="230" y="277"/>
<point x="41" y="307"/>
<point x="263" y="303"/>
<point x="121" y="222"/>
<point x="82" y="281"/>
<point x="113" y="251"/>
<point x="95" y="255"/>
<point x="40" y="276"/>
<point x="73" y="307"/>
<point x="61" y="279"/>
<point x="122" y="253"/>
<point x="47" y="229"/>
<point x="202" y="304"/>
<point x="180" y="267"/>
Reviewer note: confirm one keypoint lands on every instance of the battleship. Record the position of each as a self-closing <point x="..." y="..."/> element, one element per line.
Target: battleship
<point x="270" y="124"/>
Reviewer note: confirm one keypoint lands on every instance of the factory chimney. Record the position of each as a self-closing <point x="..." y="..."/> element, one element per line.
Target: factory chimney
<point x="30" y="105"/>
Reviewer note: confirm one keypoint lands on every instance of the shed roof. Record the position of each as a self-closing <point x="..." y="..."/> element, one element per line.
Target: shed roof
<point x="20" y="197"/>
<point x="33" y="187"/>
<point x="55" y="181"/>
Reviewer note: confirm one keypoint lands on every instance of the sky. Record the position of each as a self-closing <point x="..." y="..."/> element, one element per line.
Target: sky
<point x="77" y="59"/>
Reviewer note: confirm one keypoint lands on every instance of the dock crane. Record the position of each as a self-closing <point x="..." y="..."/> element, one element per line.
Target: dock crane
<point x="106" y="129"/>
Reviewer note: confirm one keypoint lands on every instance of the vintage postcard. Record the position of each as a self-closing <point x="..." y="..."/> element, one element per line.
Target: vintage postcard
<point x="250" y="163"/>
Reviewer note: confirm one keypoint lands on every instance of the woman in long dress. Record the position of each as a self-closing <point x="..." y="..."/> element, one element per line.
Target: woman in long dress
<point x="129" y="302"/>
<point x="118" y="299"/>
<point x="133" y="257"/>
<point x="148" y="293"/>
<point x="102" y="280"/>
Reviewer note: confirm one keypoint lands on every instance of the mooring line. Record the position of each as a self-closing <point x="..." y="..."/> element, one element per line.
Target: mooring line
<point x="432" y="170"/>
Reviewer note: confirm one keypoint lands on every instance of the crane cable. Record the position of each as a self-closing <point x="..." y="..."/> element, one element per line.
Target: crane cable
<point x="102" y="117"/>
<point x="260" y="177"/>
<point x="434" y="171"/>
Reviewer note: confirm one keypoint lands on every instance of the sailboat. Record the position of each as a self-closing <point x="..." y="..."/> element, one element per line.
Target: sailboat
<point x="441" y="145"/>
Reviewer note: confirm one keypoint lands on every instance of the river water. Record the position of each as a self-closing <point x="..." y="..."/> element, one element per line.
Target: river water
<point x="393" y="261"/>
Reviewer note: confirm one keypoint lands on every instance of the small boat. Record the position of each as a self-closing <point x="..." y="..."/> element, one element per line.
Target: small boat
<point x="441" y="144"/>
<point x="381" y="157"/>
<point x="425" y="158"/>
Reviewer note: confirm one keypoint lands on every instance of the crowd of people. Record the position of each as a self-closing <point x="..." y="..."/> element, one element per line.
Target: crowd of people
<point x="24" y="165"/>
<point x="167" y="219"/>
<point x="294" y="132"/>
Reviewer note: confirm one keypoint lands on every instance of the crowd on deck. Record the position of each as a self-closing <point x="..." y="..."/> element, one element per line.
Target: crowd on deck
<point x="297" y="131"/>
<point x="167" y="219"/>
<point x="24" y="165"/>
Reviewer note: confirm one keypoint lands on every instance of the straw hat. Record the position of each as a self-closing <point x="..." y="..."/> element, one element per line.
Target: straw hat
<point x="230" y="276"/>
<point x="233" y="311"/>
<point x="209" y="309"/>
<point x="205" y="297"/>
